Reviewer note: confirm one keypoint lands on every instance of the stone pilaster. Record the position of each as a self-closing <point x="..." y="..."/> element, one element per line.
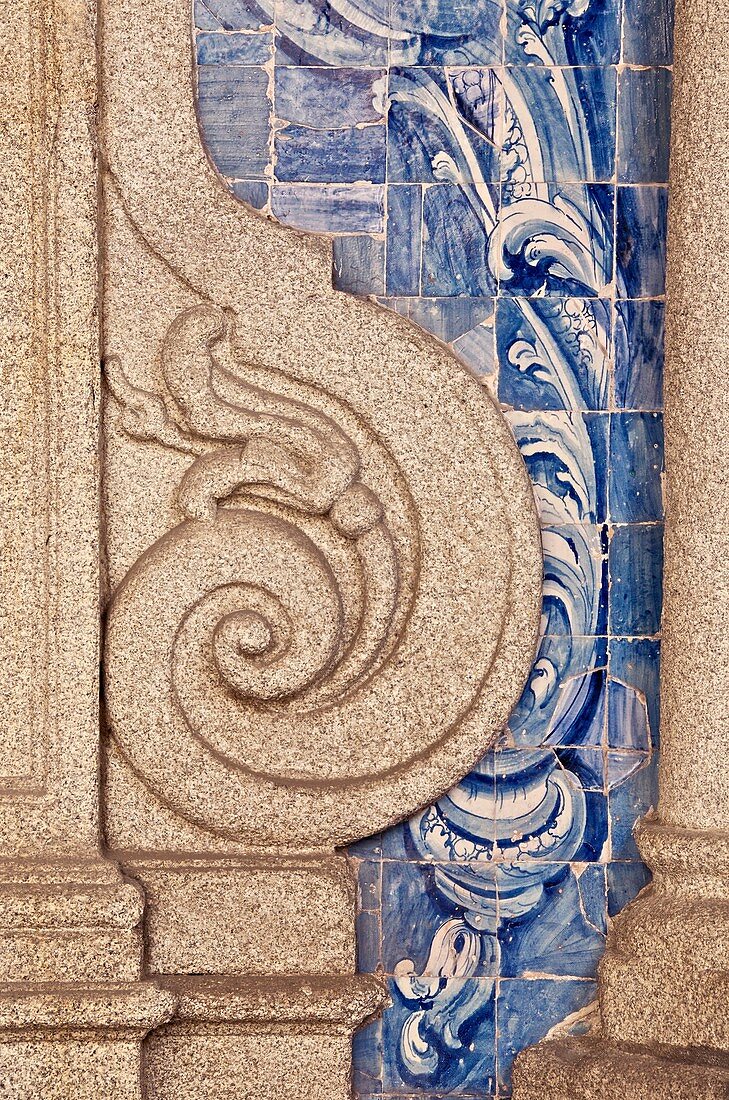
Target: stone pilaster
<point x="664" y="982"/>
<point x="73" y="1006"/>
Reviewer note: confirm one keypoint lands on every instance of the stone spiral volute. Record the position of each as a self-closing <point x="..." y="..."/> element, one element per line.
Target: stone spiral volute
<point x="284" y="641"/>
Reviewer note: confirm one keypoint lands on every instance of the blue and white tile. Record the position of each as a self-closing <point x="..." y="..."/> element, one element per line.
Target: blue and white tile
<point x="636" y="467"/>
<point x="566" y="456"/>
<point x="625" y="881"/>
<point x="638" y="351"/>
<point x="444" y="126"/>
<point x="565" y="934"/>
<point x="445" y="32"/>
<point x="629" y="800"/>
<point x="477" y="348"/>
<point x="574" y="145"/>
<point x="234" y="106"/>
<point x="575" y="592"/>
<point x="352" y="154"/>
<point x="451" y="319"/>
<point x="563" y="701"/>
<point x="533" y="1009"/>
<point x="426" y="919"/>
<point x="628" y="723"/>
<point x="585" y="765"/>
<point x="255" y="193"/>
<point x="359" y="265"/>
<point x="635" y="562"/>
<point x="440" y="1036"/>
<point x="404" y="239"/>
<point x="640" y="244"/>
<point x="326" y="32"/>
<point x="554" y="353"/>
<point x="647" y="32"/>
<point x="562" y="33"/>
<point x="644" y="125"/>
<point x="456" y="225"/>
<point x="330" y="98"/>
<point x="367" y="1060"/>
<point x="330" y="207"/>
<point x="636" y="662"/>
<point x="234" y="49"/>
<point x="554" y="239"/>
<point x="543" y="816"/>
<point x="233" y="15"/>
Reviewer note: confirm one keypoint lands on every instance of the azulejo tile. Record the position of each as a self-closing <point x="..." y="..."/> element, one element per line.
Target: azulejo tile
<point x="625" y="881"/>
<point x="628" y="722"/>
<point x="235" y="118"/>
<point x="638" y="351"/>
<point x="575" y="595"/>
<point x="367" y="1060"/>
<point x="317" y="32"/>
<point x="647" y="32"/>
<point x="444" y="126"/>
<point x="566" y="456"/>
<point x="233" y="15"/>
<point x="628" y="800"/>
<point x="359" y="265"/>
<point x="635" y="662"/>
<point x="563" y="702"/>
<point x="445" y="32"/>
<point x="477" y="349"/>
<point x="352" y="154"/>
<point x="563" y="935"/>
<point x="636" y="467"/>
<point x="234" y="49"/>
<point x="456" y="230"/>
<point x="451" y="319"/>
<point x="330" y="207"/>
<point x="440" y="1036"/>
<point x="404" y="239"/>
<point x="644" y="127"/>
<point x="329" y="98"/>
<point x="561" y="152"/>
<point x="635" y="562"/>
<point x="584" y="35"/>
<point x="253" y="192"/>
<point x="641" y="241"/>
<point x="555" y="239"/>
<point x="426" y="932"/>
<point x="554" y="353"/>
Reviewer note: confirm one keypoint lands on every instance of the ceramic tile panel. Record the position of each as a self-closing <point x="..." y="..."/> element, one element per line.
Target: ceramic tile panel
<point x="497" y="173"/>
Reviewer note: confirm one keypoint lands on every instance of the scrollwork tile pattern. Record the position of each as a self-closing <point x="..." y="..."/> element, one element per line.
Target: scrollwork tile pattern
<point x="497" y="172"/>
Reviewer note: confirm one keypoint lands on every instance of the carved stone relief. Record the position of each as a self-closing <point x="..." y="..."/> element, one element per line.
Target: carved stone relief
<point x="322" y="548"/>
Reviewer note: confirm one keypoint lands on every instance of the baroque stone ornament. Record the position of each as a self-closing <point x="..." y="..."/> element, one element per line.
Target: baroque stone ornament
<point x="324" y="572"/>
<point x="294" y="639"/>
<point x="326" y="594"/>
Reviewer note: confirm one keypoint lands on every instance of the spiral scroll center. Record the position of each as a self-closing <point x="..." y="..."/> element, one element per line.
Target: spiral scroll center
<point x="245" y="634"/>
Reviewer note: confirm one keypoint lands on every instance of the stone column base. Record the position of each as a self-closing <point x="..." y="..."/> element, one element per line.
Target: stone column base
<point x="66" y="1041"/>
<point x="260" y="1038"/>
<point x="592" y="1069"/>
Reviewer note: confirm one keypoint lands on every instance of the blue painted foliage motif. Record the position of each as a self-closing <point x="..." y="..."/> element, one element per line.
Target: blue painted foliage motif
<point x="491" y="172"/>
